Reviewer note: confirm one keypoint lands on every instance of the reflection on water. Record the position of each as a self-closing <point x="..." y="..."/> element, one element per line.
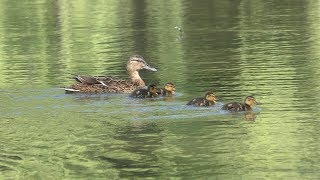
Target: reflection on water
<point x="235" y="49"/>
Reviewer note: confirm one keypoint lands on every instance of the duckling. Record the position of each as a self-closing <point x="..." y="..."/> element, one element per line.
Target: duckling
<point x="209" y="99"/>
<point x="151" y="92"/>
<point x="167" y="90"/>
<point x="249" y="101"/>
<point x="107" y="84"/>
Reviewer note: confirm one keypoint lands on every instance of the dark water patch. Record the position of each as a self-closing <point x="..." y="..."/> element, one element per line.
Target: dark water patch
<point x="5" y="168"/>
<point x="11" y="157"/>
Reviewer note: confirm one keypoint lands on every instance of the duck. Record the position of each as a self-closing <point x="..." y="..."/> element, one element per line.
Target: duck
<point x="111" y="84"/>
<point x="247" y="105"/>
<point x="168" y="90"/>
<point x="150" y="92"/>
<point x="209" y="99"/>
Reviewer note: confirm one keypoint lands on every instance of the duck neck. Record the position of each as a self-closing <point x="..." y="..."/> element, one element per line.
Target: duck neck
<point x="210" y="103"/>
<point x="166" y="93"/>
<point x="247" y="107"/>
<point x="135" y="77"/>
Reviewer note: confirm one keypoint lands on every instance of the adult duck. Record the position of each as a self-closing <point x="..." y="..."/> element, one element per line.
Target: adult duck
<point x="209" y="99"/>
<point x="249" y="101"/>
<point x="110" y="84"/>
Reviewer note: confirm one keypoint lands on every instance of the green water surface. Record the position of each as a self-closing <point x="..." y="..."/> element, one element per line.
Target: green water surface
<point x="235" y="48"/>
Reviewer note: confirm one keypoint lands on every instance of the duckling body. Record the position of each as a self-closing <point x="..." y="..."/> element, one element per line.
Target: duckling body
<point x="151" y="92"/>
<point x="237" y="106"/>
<point x="111" y="84"/>
<point x="208" y="100"/>
<point x="168" y="90"/>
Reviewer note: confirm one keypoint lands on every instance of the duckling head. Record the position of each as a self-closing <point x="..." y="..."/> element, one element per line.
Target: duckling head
<point x="169" y="87"/>
<point x="152" y="88"/>
<point x="210" y="96"/>
<point x="250" y="101"/>
<point x="137" y="62"/>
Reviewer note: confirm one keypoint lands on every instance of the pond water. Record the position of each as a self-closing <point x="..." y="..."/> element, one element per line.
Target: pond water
<point x="235" y="48"/>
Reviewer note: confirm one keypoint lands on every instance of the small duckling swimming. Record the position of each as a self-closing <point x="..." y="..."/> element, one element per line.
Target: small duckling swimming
<point x="167" y="90"/>
<point x="209" y="99"/>
<point x="249" y="101"/>
<point x="150" y="92"/>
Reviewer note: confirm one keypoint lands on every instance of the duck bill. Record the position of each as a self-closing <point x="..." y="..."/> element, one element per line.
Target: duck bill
<point x="148" y="67"/>
<point x="255" y="102"/>
<point x="215" y="99"/>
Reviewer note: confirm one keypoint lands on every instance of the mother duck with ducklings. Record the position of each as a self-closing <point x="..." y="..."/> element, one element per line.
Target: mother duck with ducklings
<point x="135" y="86"/>
<point x="110" y="84"/>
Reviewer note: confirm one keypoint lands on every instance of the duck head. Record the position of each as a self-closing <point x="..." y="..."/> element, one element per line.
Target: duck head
<point x="250" y="101"/>
<point x="134" y="65"/>
<point x="169" y="87"/>
<point x="152" y="88"/>
<point x="137" y="62"/>
<point x="210" y="96"/>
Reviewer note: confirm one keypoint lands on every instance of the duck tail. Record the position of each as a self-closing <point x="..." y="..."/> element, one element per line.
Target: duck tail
<point x="76" y="77"/>
<point x="101" y="82"/>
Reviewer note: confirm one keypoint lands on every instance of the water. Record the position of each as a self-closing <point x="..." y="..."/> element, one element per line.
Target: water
<point x="234" y="48"/>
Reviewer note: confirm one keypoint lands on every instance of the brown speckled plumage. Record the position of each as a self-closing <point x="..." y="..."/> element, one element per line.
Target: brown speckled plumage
<point x="150" y="92"/>
<point x="209" y="99"/>
<point x="114" y="87"/>
<point x="237" y="106"/>
<point x="109" y="84"/>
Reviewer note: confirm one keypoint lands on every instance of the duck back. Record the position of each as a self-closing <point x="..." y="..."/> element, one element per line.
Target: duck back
<point x="236" y="106"/>
<point x="200" y="102"/>
<point x="142" y="93"/>
<point x="107" y="85"/>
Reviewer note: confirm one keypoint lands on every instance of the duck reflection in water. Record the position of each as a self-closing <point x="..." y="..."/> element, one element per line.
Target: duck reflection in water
<point x="250" y="115"/>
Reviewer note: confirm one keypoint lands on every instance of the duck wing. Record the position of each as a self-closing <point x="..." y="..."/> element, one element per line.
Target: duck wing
<point x="160" y="91"/>
<point x="140" y="93"/>
<point x="104" y="80"/>
<point x="101" y="84"/>
<point x="197" y="101"/>
<point x="233" y="106"/>
<point x="86" y="79"/>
